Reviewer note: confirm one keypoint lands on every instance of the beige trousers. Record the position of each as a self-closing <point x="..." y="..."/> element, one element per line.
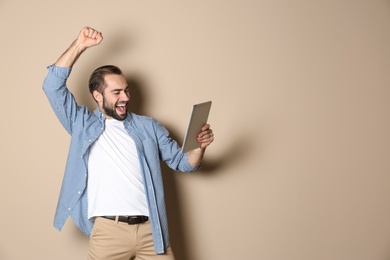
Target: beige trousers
<point x="112" y="240"/>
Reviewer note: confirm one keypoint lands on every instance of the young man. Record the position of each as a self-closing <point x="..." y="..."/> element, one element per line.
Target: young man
<point x="112" y="185"/>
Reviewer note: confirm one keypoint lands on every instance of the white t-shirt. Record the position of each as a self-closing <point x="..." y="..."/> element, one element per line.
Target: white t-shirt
<point x="115" y="184"/>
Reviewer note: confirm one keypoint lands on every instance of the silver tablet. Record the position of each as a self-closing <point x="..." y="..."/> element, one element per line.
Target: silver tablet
<point x="199" y="114"/>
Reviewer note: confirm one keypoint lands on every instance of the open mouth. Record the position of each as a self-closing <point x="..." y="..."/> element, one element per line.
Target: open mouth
<point x="121" y="108"/>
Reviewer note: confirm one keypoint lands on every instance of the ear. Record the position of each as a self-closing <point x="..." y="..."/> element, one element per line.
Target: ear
<point x="97" y="96"/>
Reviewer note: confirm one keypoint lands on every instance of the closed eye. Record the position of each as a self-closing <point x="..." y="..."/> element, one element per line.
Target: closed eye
<point x="118" y="91"/>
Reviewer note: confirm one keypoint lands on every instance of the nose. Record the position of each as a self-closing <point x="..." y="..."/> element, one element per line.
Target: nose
<point x="125" y="96"/>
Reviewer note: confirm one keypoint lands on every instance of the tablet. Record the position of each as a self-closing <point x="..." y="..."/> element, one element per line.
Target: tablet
<point x="198" y="118"/>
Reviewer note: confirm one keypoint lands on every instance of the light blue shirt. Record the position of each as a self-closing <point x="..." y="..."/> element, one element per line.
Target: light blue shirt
<point x="153" y="145"/>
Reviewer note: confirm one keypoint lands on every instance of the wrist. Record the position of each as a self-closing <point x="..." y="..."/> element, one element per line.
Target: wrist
<point x="78" y="47"/>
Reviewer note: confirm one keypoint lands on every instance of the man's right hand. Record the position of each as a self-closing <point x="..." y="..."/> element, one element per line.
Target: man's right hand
<point x="88" y="37"/>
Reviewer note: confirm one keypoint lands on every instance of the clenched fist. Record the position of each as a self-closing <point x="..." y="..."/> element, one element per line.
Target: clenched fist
<point x="89" y="37"/>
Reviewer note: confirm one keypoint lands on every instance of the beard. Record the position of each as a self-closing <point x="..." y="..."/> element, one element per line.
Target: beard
<point x="111" y="112"/>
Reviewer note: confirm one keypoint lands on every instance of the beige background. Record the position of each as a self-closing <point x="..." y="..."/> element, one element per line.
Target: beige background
<point x="300" y="166"/>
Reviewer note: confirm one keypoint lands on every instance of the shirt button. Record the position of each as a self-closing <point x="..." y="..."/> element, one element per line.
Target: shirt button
<point x="68" y="208"/>
<point x="79" y="192"/>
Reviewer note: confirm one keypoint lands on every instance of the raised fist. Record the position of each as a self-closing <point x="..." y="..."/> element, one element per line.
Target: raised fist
<point x="89" y="37"/>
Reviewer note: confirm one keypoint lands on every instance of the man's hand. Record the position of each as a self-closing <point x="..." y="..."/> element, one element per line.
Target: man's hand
<point x="205" y="138"/>
<point x="87" y="37"/>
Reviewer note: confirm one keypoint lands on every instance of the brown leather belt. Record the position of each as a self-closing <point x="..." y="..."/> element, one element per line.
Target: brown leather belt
<point x="131" y="220"/>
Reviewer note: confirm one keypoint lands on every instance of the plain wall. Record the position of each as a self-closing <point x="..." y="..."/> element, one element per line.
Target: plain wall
<point x="300" y="167"/>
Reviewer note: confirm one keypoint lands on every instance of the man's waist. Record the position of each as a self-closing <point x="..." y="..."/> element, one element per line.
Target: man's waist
<point x="131" y="220"/>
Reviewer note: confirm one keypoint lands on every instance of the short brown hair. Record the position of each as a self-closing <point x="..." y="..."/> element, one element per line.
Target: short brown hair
<point x="96" y="80"/>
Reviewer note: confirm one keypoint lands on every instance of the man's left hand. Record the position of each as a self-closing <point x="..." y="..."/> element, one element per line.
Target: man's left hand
<point x="206" y="136"/>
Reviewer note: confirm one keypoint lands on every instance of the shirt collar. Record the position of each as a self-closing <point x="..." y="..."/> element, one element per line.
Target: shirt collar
<point x="99" y="115"/>
<point x="102" y="118"/>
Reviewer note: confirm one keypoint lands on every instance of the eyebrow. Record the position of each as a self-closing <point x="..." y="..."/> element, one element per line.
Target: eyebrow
<point x="120" y="89"/>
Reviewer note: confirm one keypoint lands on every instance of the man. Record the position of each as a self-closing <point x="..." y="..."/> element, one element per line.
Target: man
<point x="112" y="186"/>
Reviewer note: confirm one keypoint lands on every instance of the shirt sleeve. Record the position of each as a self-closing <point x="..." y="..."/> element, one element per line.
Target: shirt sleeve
<point x="61" y="99"/>
<point x="170" y="151"/>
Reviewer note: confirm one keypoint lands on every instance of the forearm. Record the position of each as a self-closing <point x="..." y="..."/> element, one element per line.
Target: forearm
<point x="70" y="56"/>
<point x="195" y="156"/>
<point x="87" y="37"/>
